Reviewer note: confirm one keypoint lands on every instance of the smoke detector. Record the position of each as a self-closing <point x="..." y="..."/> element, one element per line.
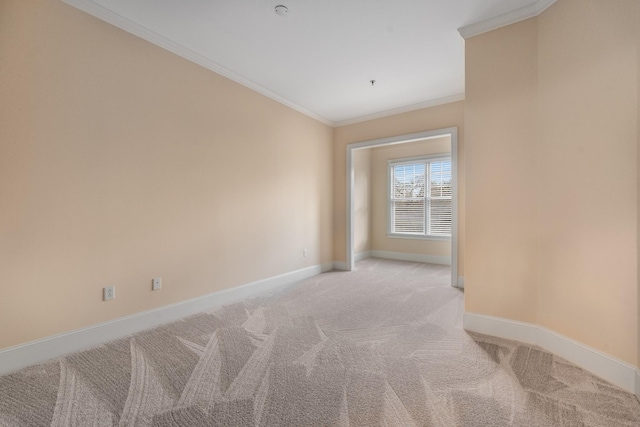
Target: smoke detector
<point x="282" y="10"/>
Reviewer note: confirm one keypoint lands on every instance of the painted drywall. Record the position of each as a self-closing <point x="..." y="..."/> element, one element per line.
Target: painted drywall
<point x="120" y="162"/>
<point x="500" y="148"/>
<point x="638" y="209"/>
<point x="552" y="194"/>
<point x="379" y="198"/>
<point x="362" y="201"/>
<point x="587" y="185"/>
<point x="439" y="117"/>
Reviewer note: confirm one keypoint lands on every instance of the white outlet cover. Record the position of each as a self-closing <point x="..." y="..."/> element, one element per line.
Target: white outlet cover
<point x="156" y="283"/>
<point x="108" y="293"/>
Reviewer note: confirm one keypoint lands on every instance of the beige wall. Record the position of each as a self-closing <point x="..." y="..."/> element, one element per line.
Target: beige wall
<point x="588" y="140"/>
<point x="379" y="198"/>
<point x="442" y="116"/>
<point x="120" y="162"/>
<point x="500" y="129"/>
<point x="362" y="201"/>
<point x="638" y="195"/>
<point x="551" y="126"/>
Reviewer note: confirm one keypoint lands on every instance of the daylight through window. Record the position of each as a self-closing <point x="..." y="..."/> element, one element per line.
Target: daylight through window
<point x="420" y="197"/>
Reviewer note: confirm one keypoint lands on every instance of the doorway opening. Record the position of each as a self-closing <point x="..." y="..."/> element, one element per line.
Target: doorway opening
<point x="451" y="134"/>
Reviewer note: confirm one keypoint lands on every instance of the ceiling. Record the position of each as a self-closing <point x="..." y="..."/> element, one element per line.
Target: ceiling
<point x="320" y="58"/>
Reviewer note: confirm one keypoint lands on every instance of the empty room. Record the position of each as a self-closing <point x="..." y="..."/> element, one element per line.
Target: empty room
<point x="303" y="213"/>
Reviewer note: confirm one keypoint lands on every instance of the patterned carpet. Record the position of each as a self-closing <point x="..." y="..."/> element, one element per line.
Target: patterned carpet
<point x="381" y="346"/>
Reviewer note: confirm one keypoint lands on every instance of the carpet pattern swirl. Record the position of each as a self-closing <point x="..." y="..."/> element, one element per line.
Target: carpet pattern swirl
<point x="380" y="346"/>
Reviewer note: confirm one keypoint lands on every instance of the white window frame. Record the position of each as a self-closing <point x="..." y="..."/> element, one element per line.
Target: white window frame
<point x="412" y="160"/>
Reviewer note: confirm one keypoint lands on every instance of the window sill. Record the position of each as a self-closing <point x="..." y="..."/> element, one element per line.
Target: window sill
<point x="418" y="237"/>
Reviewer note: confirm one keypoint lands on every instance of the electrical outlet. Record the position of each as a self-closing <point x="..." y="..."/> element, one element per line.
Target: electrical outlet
<point x="156" y="283"/>
<point x="108" y="293"/>
<point x="304" y="253"/>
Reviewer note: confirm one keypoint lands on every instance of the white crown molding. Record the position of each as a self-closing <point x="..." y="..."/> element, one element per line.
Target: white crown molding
<point x="400" y="110"/>
<point x="616" y="371"/>
<point x="31" y="353"/>
<point x="125" y="24"/>
<point x="104" y="14"/>
<point x="505" y="19"/>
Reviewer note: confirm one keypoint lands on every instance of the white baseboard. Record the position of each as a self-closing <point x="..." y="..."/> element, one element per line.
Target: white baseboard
<point x="616" y="371"/>
<point x="401" y="256"/>
<point x="362" y="255"/>
<point x="23" y="355"/>
<point x="340" y="265"/>
<point x="461" y="282"/>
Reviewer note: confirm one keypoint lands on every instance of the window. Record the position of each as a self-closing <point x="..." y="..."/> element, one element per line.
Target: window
<point x="420" y="197"/>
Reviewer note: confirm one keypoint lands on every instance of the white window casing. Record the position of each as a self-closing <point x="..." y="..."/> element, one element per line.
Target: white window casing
<point x="419" y="197"/>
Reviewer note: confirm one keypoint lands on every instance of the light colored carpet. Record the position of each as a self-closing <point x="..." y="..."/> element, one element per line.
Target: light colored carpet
<point x="381" y="346"/>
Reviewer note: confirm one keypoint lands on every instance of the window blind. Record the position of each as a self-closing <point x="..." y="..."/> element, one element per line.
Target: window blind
<point x="420" y="198"/>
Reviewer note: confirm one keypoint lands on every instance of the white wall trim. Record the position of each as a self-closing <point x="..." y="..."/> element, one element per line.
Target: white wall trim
<point x="340" y="265"/>
<point x="452" y="132"/>
<point x="461" y="282"/>
<point x="402" y="256"/>
<point x="400" y="110"/>
<point x="23" y="355"/>
<point x="136" y="29"/>
<point x="362" y="255"/>
<point x="638" y="383"/>
<point x="505" y="19"/>
<point x="601" y="364"/>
